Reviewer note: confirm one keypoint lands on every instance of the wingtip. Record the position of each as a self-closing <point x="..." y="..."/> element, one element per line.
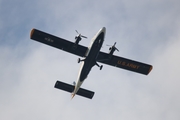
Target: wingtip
<point x="31" y="33"/>
<point x="151" y="67"/>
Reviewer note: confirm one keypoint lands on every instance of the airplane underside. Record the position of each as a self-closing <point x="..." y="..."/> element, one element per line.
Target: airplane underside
<point x="92" y="55"/>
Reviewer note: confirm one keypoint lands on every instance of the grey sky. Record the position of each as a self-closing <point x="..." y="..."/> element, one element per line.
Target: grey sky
<point x="146" y="31"/>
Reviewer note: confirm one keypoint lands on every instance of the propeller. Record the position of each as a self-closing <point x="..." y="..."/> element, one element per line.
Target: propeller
<point x="113" y="47"/>
<point x="80" y="34"/>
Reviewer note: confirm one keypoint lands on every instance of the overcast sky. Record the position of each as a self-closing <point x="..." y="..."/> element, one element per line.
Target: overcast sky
<point x="145" y="30"/>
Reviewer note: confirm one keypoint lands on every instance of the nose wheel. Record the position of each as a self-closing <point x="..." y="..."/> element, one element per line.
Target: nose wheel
<point x="101" y="67"/>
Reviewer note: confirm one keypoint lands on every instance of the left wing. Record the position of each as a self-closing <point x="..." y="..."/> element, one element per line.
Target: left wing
<point x="124" y="63"/>
<point x="58" y="42"/>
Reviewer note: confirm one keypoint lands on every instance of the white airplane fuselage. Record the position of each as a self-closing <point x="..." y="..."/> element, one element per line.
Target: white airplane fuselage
<point x="90" y="59"/>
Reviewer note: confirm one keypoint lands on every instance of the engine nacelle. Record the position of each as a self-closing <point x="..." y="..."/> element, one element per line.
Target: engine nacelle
<point x="78" y="39"/>
<point x="112" y="49"/>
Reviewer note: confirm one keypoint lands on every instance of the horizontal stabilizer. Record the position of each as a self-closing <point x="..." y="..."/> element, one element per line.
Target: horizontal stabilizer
<point x="70" y="88"/>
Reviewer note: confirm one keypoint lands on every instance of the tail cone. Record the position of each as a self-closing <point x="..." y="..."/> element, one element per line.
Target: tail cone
<point x="72" y="96"/>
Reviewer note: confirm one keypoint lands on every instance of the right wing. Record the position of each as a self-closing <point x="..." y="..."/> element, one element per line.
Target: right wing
<point x="124" y="63"/>
<point x="58" y="42"/>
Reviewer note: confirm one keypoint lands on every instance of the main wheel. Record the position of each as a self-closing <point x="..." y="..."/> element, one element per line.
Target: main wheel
<point x="79" y="60"/>
<point x="101" y="67"/>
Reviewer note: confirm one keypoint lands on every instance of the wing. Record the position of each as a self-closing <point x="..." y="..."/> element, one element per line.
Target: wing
<point x="124" y="63"/>
<point x="58" y="42"/>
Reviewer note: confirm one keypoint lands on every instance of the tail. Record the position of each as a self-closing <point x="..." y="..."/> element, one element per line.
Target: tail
<point x="70" y="88"/>
<point x="72" y="95"/>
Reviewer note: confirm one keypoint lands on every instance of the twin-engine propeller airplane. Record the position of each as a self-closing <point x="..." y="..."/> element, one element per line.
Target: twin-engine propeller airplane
<point x="91" y="55"/>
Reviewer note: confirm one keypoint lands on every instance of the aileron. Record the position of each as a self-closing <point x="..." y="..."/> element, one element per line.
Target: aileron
<point x="124" y="63"/>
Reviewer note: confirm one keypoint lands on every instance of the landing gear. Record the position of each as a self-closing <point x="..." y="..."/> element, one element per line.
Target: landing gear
<point x="79" y="60"/>
<point x="99" y="66"/>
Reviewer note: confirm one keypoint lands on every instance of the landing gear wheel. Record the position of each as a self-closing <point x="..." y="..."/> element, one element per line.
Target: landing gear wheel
<point x="79" y="60"/>
<point x="101" y="67"/>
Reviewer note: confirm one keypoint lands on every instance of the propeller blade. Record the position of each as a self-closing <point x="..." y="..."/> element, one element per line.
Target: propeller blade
<point x="108" y="45"/>
<point x="111" y="45"/>
<point x="80" y="34"/>
<point x="117" y="49"/>
<point x="77" y="31"/>
<point x="83" y="36"/>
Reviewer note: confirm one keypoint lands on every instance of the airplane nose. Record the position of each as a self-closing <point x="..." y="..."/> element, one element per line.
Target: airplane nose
<point x="103" y="29"/>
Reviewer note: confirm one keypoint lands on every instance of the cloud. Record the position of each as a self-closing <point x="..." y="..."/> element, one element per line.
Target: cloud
<point x="146" y="31"/>
<point x="165" y="82"/>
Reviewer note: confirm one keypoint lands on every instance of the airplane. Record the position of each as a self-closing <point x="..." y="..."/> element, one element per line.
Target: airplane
<point x="91" y="56"/>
